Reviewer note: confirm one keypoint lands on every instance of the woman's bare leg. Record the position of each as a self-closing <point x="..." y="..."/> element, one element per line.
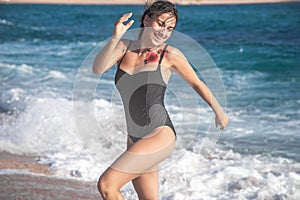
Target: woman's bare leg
<point x="146" y="185"/>
<point x="110" y="183"/>
<point x="138" y="160"/>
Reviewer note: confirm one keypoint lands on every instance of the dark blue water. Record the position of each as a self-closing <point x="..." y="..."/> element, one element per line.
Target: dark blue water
<point x="256" y="48"/>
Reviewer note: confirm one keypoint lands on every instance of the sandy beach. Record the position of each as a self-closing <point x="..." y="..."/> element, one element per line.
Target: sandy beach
<point x="37" y="182"/>
<point x="22" y="162"/>
<point x="25" y="186"/>
<point x="137" y="2"/>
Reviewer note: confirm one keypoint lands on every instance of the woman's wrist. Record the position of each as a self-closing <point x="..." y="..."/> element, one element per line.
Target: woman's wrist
<point x="115" y="38"/>
<point x="219" y="113"/>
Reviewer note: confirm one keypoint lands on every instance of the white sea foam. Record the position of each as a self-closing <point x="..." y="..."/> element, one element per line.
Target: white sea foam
<point x="23" y="67"/>
<point x="6" y="22"/>
<point x="10" y="100"/>
<point x="35" y="28"/>
<point x="228" y="175"/>
<point x="47" y="128"/>
<point x="14" y="171"/>
<point x="56" y="74"/>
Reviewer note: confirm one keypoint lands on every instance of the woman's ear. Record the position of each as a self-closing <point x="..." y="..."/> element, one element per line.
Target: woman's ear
<point x="147" y="21"/>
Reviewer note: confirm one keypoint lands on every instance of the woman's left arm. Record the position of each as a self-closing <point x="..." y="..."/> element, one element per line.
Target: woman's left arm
<point x="180" y="65"/>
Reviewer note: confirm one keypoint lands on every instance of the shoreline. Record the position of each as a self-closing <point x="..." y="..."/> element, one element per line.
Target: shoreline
<point x="141" y="2"/>
<point x="22" y="177"/>
<point x="10" y="161"/>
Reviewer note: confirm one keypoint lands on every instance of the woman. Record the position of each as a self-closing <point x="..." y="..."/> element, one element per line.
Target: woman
<point x="144" y="68"/>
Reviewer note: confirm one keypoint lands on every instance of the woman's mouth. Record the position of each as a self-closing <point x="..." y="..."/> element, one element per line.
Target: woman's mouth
<point x="157" y="38"/>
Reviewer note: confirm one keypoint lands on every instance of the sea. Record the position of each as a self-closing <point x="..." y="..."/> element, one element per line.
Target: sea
<point x="53" y="106"/>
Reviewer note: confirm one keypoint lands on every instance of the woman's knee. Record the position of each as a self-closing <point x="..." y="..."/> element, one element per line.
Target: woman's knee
<point x="105" y="187"/>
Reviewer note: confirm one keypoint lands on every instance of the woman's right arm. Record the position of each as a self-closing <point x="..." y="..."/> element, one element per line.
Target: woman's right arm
<point x="115" y="48"/>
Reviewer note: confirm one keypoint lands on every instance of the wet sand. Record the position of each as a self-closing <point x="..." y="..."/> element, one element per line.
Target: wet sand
<point x="25" y="186"/>
<point x="22" y="177"/>
<point x="23" y="162"/>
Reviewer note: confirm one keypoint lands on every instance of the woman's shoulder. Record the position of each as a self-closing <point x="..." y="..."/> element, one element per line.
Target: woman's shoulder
<point x="174" y="53"/>
<point x="173" y="49"/>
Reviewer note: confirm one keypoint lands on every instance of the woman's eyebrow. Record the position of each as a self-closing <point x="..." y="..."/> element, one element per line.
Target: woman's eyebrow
<point x="164" y="22"/>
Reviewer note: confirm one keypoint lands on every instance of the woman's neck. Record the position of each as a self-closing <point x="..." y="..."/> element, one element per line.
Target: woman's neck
<point x="144" y="47"/>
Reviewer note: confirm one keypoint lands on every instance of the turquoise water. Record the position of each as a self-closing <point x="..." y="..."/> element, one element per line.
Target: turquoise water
<point x="255" y="47"/>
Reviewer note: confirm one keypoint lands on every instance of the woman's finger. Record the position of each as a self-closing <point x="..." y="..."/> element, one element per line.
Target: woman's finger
<point x="125" y="17"/>
<point x="129" y="24"/>
<point x="225" y="122"/>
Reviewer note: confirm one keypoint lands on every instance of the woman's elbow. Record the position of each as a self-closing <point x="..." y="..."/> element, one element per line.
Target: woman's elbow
<point x="96" y="71"/>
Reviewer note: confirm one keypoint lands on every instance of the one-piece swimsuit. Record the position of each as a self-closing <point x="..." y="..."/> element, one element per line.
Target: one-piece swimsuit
<point x="142" y="95"/>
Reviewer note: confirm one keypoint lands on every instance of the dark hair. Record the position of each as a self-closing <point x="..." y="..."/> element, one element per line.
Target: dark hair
<point x="158" y="8"/>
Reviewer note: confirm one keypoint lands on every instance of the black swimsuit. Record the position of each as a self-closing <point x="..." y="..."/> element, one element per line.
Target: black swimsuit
<point x="143" y="99"/>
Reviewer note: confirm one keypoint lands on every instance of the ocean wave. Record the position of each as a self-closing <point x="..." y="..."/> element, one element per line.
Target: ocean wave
<point x="230" y="175"/>
<point x="24" y="67"/>
<point x="23" y="26"/>
<point x="12" y="101"/>
<point x="54" y="74"/>
<point x="35" y="80"/>
<point x="6" y="22"/>
<point x="47" y="128"/>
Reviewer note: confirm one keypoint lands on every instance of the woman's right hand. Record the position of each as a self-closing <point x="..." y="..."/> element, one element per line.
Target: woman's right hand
<point x="120" y="28"/>
<point x="221" y="121"/>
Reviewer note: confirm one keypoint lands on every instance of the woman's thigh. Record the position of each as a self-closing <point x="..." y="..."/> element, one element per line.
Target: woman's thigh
<point x="141" y="158"/>
<point x="147" y="152"/>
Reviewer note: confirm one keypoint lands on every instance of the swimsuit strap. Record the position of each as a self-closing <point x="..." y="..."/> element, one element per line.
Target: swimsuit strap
<point x="162" y="54"/>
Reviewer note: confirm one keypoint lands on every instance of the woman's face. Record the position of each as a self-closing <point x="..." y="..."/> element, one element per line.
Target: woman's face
<point x="161" y="27"/>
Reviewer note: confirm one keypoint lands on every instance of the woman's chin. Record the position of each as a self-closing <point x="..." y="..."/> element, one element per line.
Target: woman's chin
<point x="156" y="41"/>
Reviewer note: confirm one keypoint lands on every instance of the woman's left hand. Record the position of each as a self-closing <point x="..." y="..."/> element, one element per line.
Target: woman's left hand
<point x="119" y="27"/>
<point x="221" y="121"/>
